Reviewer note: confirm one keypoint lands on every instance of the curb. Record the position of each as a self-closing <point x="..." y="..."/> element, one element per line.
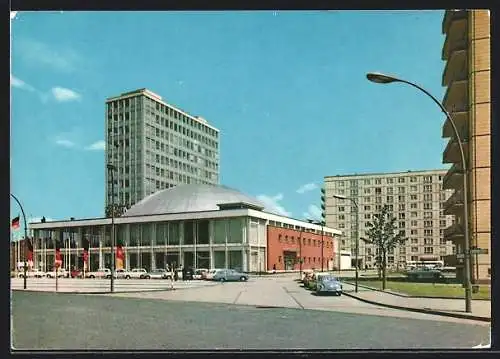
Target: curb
<point x="115" y="292"/>
<point x="422" y="310"/>
<point x="410" y="296"/>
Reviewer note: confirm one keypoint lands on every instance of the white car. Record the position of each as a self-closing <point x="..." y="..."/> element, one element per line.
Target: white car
<point x="123" y="274"/>
<point x="36" y="273"/>
<point x="61" y="273"/>
<point x="210" y="274"/>
<point x="160" y="274"/>
<point x="139" y="273"/>
<point x="200" y="273"/>
<point x="100" y="273"/>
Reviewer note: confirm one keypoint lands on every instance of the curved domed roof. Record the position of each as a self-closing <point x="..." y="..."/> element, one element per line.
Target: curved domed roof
<point x="190" y="198"/>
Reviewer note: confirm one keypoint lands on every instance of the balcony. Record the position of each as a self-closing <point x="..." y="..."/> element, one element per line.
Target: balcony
<point x="454" y="204"/>
<point x="454" y="233"/>
<point x="456" y="95"/>
<point x="450" y="16"/>
<point x="453" y="178"/>
<point x="456" y="66"/>
<point x="460" y="117"/>
<point x="451" y="153"/>
<point x="457" y="32"/>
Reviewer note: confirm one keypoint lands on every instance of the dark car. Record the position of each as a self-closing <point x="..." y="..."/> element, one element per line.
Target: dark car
<point x="76" y="273"/>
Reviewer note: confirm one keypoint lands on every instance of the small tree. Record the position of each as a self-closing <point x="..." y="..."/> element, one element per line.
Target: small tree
<point x="384" y="234"/>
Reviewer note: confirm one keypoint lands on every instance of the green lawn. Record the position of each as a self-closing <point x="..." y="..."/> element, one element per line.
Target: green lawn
<point x="430" y="289"/>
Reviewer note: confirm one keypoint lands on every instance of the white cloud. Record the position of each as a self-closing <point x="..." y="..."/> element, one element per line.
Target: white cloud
<point x="271" y="204"/>
<point x="20" y="84"/>
<point x="65" y="143"/>
<point x="36" y="52"/>
<point x="307" y="187"/>
<point x="62" y="94"/>
<point x="313" y="212"/>
<point x="96" y="146"/>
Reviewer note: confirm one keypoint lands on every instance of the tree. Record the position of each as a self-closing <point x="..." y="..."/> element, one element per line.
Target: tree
<point x="119" y="210"/>
<point x="385" y="235"/>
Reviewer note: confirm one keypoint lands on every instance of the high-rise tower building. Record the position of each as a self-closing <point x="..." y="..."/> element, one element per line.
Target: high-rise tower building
<point x="154" y="146"/>
<point x="466" y="51"/>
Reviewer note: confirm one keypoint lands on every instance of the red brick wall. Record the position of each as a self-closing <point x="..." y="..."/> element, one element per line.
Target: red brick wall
<point x="281" y="240"/>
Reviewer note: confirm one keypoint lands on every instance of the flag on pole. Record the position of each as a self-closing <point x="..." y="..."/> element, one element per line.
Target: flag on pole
<point x="86" y="246"/>
<point x="120" y="255"/>
<point x="15" y="223"/>
<point x="58" y="257"/>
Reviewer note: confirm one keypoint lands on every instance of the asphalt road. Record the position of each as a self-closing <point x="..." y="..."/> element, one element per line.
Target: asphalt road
<point x="44" y="320"/>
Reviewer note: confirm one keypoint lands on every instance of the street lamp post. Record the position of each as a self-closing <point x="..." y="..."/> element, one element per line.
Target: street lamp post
<point x="356" y="266"/>
<point x="25" y="242"/>
<point x="385" y="79"/>
<point x="300" y="251"/>
<point x="111" y="170"/>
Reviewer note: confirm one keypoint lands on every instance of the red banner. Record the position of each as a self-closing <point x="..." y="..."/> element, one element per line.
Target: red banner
<point x="120" y="257"/>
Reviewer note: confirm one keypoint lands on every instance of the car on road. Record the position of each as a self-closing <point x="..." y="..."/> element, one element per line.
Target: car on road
<point x="100" y="273"/>
<point x="160" y="273"/>
<point x="61" y="273"/>
<point x="425" y="273"/>
<point x="200" y="273"/>
<point x="328" y="284"/>
<point x="315" y="278"/>
<point x="139" y="273"/>
<point x="36" y="273"/>
<point x="226" y="275"/>
<point x="76" y="273"/>
<point x="122" y="274"/>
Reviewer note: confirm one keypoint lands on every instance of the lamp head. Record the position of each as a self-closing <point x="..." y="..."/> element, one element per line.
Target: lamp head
<point x="380" y="78"/>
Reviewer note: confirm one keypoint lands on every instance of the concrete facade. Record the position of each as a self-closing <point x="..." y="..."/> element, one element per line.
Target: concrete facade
<point x="466" y="50"/>
<point x="417" y="200"/>
<point x="155" y="145"/>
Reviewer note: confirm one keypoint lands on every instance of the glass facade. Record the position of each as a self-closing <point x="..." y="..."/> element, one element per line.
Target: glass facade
<point x="202" y="243"/>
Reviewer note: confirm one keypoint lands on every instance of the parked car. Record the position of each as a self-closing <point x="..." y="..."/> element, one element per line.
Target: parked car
<point x="328" y="284"/>
<point x="424" y="273"/>
<point x="316" y="277"/>
<point x="200" y="273"/>
<point x="224" y="275"/>
<point x="210" y="274"/>
<point x="100" y="273"/>
<point x="305" y="273"/>
<point x="307" y="278"/>
<point x="61" y="273"/>
<point x="123" y="274"/>
<point x="36" y="273"/>
<point x="76" y="273"/>
<point x="139" y="273"/>
<point x="160" y="274"/>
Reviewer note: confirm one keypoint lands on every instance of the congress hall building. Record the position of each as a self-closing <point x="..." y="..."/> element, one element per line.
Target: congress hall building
<point x="191" y="225"/>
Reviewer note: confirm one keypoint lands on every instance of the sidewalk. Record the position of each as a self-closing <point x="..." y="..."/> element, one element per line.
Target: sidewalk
<point x="481" y="309"/>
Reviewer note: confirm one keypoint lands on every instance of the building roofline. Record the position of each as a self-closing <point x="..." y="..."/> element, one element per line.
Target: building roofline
<point x="158" y="98"/>
<point x="386" y="173"/>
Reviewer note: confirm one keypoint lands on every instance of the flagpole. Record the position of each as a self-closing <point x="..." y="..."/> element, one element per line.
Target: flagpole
<point x="25" y="241"/>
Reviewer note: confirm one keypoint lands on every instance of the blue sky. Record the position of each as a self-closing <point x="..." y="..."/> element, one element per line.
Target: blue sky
<point x="287" y="90"/>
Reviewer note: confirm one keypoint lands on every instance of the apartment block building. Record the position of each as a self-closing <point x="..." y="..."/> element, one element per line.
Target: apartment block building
<point x="417" y="199"/>
<point x="155" y="146"/>
<point x="466" y="76"/>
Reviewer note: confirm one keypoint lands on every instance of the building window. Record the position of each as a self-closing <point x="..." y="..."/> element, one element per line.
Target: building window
<point x="341" y="208"/>
<point x="413" y="223"/>
<point x="367" y="215"/>
<point x="389" y="190"/>
<point x="413" y="206"/>
<point x="389" y="180"/>
<point x="414" y="240"/>
<point x="378" y="181"/>
<point x="279" y="259"/>
<point x="341" y="217"/>
<point x="367" y="181"/>
<point x="280" y="238"/>
<point x="414" y="249"/>
<point x="378" y="190"/>
<point x="428" y="241"/>
<point x="367" y="208"/>
<point x="428" y="250"/>
<point x="401" y="180"/>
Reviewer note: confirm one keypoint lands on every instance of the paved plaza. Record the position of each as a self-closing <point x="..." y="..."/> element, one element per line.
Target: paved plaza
<point x="43" y="320"/>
